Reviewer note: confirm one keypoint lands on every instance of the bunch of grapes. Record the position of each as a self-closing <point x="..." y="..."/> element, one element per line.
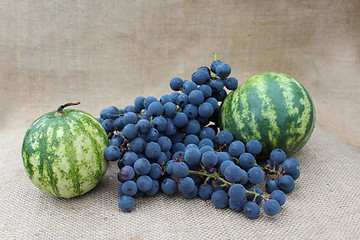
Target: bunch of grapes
<point x="174" y="144"/>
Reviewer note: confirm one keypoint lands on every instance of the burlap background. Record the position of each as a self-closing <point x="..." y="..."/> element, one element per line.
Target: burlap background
<point x="108" y="53"/>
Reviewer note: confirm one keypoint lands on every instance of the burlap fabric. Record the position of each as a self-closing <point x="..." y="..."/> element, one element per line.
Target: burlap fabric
<point x="108" y="53"/>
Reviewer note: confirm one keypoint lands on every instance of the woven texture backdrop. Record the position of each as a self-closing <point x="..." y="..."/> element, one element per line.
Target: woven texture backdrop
<point x="109" y="52"/>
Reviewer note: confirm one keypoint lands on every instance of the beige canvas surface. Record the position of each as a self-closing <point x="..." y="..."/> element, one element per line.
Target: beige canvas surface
<point x="105" y="53"/>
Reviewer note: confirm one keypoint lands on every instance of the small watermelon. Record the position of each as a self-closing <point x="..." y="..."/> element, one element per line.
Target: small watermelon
<point x="273" y="108"/>
<point x="63" y="152"/>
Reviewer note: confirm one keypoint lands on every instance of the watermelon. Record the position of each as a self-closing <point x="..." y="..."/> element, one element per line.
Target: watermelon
<point x="272" y="108"/>
<point x="63" y="152"/>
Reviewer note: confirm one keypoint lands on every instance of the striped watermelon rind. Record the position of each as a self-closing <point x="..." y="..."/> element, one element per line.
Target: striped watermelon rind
<point x="63" y="154"/>
<point x="273" y="108"/>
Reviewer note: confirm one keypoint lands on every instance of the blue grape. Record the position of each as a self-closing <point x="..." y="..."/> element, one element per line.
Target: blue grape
<point x="223" y="70"/>
<point x="143" y="126"/>
<point x="165" y="143"/>
<point x="163" y="158"/>
<point x="129" y="188"/>
<point x="180" y="120"/>
<point x="149" y="100"/>
<point x="292" y="168"/>
<point x="279" y="196"/>
<point x="254" y="147"/>
<point x="119" y="123"/>
<point x="207" y="132"/>
<point x="130" y="131"/>
<point x="130" y="108"/>
<point x="192" y="156"/>
<point x="286" y="184"/>
<point x="169" y="167"/>
<point x="196" y="97"/>
<point x="182" y="100"/>
<point x="112" y="153"/>
<point x="200" y="77"/>
<point x="111" y="112"/>
<point x="205" y="191"/>
<point x="191" y="111"/>
<point x="186" y="185"/>
<point x="176" y="83"/>
<point x="191" y="194"/>
<point x="126" y="203"/>
<point x="126" y="173"/>
<point x="223" y="156"/>
<point x="178" y="147"/>
<point x="170" y="109"/>
<point x="246" y="161"/>
<point x="277" y="156"/>
<point x="152" y="135"/>
<point x="205" y="110"/>
<point x="233" y="173"/>
<point x="129" y="158"/>
<point x="142" y="166"/>
<point x="130" y="117"/>
<point x="209" y="159"/>
<point x="108" y="125"/>
<point x="224" y="165"/>
<point x="144" y="183"/>
<point x="217" y="85"/>
<point x="152" y="150"/>
<point x="189" y="87"/>
<point x="220" y="199"/>
<point x="159" y="123"/>
<point x="191" y="145"/>
<point x="180" y="169"/>
<point x="256" y="175"/>
<point x="165" y="99"/>
<point x="271" y="207"/>
<point x="206" y="142"/>
<point x="231" y="83"/>
<point x="170" y="127"/>
<point x="214" y="64"/>
<point x="174" y="95"/>
<point x="155" y="171"/>
<point x="237" y="192"/>
<point x="236" y="206"/>
<point x="137" y="145"/>
<point x="225" y="137"/>
<point x="193" y="127"/>
<point x="168" y="186"/>
<point x="236" y="148"/>
<point x="272" y="185"/>
<point x="154" y="189"/>
<point x="251" y="210"/>
<point x="213" y="102"/>
<point x="116" y="141"/>
<point x="155" y="109"/>
<point x="139" y="103"/>
<point x="191" y="139"/>
<point x="206" y="90"/>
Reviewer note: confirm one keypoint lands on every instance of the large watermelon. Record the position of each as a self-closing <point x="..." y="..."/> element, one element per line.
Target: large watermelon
<point x="273" y="108"/>
<point x="63" y="152"/>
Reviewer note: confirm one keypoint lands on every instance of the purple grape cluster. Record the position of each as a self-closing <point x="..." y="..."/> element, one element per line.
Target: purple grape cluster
<point x="174" y="144"/>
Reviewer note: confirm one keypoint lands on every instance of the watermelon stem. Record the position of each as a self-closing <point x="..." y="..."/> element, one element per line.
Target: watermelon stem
<point x="60" y="109"/>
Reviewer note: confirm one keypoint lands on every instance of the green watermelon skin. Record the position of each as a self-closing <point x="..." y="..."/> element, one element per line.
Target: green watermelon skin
<point x="63" y="154"/>
<point x="273" y="108"/>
